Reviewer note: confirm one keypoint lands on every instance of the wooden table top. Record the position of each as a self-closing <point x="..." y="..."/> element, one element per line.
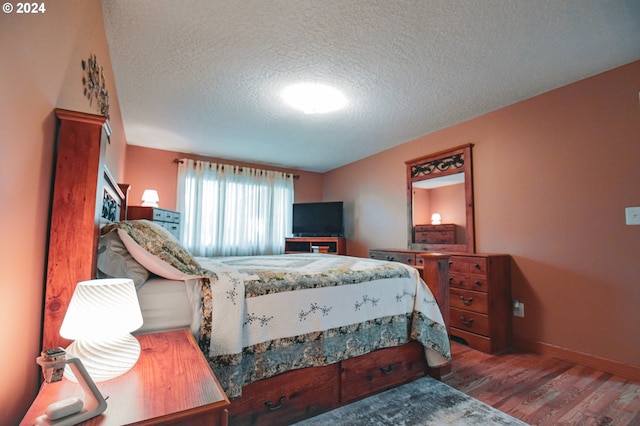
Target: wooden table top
<point x="170" y="381"/>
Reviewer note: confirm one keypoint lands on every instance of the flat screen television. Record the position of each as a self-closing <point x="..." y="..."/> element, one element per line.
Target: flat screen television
<point x="318" y="219"/>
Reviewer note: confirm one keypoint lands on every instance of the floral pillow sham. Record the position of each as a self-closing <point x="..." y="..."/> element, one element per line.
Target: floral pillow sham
<point x="115" y="261"/>
<point x="157" y="250"/>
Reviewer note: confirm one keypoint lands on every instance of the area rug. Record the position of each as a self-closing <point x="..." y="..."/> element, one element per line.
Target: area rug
<point x="424" y="402"/>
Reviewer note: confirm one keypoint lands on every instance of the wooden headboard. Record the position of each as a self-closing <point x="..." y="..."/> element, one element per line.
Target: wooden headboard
<point x="84" y="197"/>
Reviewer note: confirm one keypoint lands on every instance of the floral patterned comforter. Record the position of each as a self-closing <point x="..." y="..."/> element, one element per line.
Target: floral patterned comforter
<point x="265" y="315"/>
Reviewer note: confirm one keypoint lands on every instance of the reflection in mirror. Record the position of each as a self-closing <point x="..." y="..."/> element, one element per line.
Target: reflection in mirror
<point x="443" y="196"/>
<point x="440" y="201"/>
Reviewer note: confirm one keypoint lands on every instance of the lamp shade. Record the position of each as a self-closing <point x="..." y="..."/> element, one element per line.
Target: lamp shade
<point x="102" y="308"/>
<point x="150" y="198"/>
<point x="100" y="317"/>
<point x="436" y="219"/>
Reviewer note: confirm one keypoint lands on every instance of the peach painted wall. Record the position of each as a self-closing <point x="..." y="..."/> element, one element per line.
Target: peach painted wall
<point x="421" y="206"/>
<point x="40" y="69"/>
<point x="155" y="169"/>
<point x="552" y="177"/>
<point x="450" y="203"/>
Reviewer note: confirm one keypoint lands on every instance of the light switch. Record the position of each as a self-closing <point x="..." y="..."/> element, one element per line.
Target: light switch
<point x="633" y="215"/>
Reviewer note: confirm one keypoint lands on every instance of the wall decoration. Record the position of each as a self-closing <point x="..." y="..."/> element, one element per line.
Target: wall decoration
<point x="95" y="86"/>
<point x="455" y="161"/>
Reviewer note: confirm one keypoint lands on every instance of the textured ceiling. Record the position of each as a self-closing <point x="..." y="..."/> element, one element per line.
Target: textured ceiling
<point x="204" y="76"/>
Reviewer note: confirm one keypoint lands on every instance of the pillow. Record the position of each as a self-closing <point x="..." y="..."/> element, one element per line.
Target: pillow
<point x="157" y="250"/>
<point x="114" y="261"/>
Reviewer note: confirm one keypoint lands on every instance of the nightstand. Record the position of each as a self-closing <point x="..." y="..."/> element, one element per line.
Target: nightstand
<point x="171" y="383"/>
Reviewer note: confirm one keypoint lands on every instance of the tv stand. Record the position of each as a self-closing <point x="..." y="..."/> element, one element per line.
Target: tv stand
<point x="335" y="245"/>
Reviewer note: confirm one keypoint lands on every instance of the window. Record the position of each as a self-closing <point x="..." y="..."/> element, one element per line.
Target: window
<point x="231" y="210"/>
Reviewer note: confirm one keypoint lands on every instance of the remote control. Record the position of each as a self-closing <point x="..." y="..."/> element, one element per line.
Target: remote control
<point x="64" y="408"/>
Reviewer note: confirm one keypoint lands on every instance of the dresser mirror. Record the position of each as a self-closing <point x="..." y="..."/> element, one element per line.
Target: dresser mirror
<point x="440" y="201"/>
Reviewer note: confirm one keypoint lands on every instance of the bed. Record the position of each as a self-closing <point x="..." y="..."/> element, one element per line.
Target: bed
<point x="288" y="336"/>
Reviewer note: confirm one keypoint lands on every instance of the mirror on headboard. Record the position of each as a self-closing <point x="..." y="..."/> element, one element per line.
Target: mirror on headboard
<point x="441" y="184"/>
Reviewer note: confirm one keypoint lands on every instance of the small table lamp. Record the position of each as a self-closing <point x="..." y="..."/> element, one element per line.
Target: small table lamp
<point x="150" y="198"/>
<point x="436" y="219"/>
<point x="101" y="315"/>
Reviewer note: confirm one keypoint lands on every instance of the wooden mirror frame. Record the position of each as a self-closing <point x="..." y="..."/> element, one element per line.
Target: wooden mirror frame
<point x="443" y="163"/>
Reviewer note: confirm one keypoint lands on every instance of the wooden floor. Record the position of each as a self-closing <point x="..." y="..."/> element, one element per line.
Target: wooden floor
<point x="541" y="390"/>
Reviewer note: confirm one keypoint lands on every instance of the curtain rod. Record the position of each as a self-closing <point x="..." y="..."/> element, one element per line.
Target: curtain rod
<point x="179" y="160"/>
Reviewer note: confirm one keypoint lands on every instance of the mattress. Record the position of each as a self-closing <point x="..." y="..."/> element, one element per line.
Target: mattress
<point x="167" y="305"/>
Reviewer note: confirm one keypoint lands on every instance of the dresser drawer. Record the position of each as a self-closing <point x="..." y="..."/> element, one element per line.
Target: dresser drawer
<point x="476" y="341"/>
<point x="435" y="237"/>
<point x="158" y="214"/>
<point x="469" y="321"/>
<point x="360" y="379"/>
<point x="435" y="234"/>
<point x="288" y="397"/>
<point x="470" y="282"/>
<point x="166" y="216"/>
<point x="469" y="265"/>
<point x="433" y="228"/>
<point x="475" y="301"/>
<point x="395" y="256"/>
<point x="174" y="228"/>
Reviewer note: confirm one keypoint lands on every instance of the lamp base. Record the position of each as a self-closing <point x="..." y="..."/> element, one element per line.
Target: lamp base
<point x="104" y="359"/>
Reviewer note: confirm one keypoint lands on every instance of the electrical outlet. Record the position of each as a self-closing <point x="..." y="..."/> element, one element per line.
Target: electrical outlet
<point x="632" y="215"/>
<point x="518" y="308"/>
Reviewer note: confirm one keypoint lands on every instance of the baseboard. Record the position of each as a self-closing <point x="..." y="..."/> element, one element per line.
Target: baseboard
<point x="627" y="371"/>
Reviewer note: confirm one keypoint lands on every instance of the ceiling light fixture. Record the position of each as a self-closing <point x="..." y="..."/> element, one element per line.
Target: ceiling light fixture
<point x="313" y="98"/>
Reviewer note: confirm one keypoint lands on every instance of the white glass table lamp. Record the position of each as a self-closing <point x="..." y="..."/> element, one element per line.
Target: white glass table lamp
<point x="100" y="318"/>
<point x="150" y="198"/>
<point x="436" y="219"/>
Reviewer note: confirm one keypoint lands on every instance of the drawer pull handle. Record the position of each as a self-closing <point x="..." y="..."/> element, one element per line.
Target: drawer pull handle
<point x="478" y="283"/>
<point x="450" y="263"/>
<point x="450" y="278"/>
<point x="387" y="370"/>
<point x="390" y="258"/>
<point x="272" y="407"/>
<point x="476" y="265"/>
<point x="468" y="301"/>
<point x="467" y="322"/>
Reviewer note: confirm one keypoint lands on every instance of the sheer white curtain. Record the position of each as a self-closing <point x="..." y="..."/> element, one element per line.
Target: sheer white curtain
<point x="231" y="210"/>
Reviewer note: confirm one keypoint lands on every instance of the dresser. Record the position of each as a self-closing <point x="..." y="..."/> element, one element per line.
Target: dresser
<point x="480" y="300"/>
<point x="168" y="219"/>
<point x="435" y="234"/>
<point x="479" y="295"/>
